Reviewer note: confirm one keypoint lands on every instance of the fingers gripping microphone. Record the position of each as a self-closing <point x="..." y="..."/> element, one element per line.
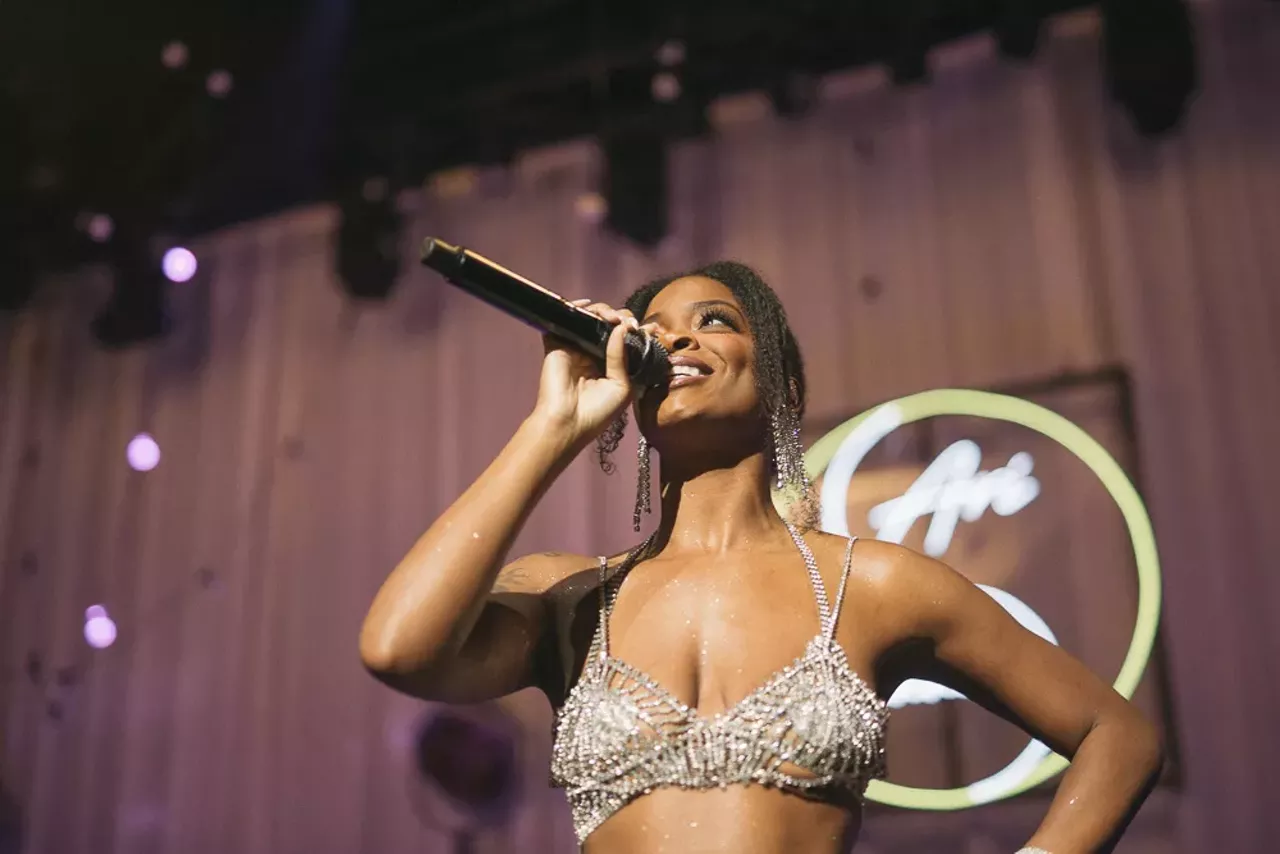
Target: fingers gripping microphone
<point x="647" y="359"/>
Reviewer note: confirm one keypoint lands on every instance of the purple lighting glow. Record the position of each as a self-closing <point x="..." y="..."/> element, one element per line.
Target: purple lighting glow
<point x="143" y="453"/>
<point x="219" y="83"/>
<point x="174" y="55"/>
<point x="179" y="264"/>
<point x="99" y="629"/>
<point x="666" y="87"/>
<point x="100" y="228"/>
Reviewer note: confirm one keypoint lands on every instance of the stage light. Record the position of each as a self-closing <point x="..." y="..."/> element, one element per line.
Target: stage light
<point x="1150" y="60"/>
<point x="671" y="53"/>
<point x="1017" y="28"/>
<point x="174" y="55"/>
<point x="906" y="41"/>
<point x="219" y="83"/>
<point x="100" y="227"/>
<point x="368" y="240"/>
<point x="635" y="186"/>
<point x="793" y="94"/>
<point x="143" y="452"/>
<point x="665" y="87"/>
<point x="136" y="310"/>
<point x="99" y="629"/>
<point x="179" y="264"/>
<point x="590" y="207"/>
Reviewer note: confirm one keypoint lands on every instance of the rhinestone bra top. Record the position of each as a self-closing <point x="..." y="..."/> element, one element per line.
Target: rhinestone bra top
<point x="620" y="734"/>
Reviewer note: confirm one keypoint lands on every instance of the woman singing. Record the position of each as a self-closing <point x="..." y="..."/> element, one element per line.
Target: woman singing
<point x="722" y="686"/>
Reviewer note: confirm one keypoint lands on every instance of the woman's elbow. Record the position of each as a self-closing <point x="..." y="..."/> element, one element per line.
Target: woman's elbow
<point x="1143" y="743"/>
<point x="378" y="658"/>
<point x="1153" y="750"/>
<point x="381" y="652"/>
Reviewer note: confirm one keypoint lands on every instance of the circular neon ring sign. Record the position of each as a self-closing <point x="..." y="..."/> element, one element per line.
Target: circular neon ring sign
<point x="929" y="404"/>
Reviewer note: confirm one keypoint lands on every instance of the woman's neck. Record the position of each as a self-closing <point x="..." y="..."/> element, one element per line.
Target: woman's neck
<point x="720" y="509"/>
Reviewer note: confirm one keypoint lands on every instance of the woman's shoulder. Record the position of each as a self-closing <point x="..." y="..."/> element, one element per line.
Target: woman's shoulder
<point x="873" y="562"/>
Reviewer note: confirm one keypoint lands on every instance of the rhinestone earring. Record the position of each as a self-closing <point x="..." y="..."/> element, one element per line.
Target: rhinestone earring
<point x="788" y="456"/>
<point x="642" y="486"/>
<point x="788" y="465"/>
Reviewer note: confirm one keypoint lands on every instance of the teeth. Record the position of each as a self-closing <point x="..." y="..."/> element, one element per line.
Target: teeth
<point x="685" y="371"/>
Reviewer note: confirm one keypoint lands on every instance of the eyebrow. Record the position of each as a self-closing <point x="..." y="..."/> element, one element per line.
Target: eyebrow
<point x="701" y="304"/>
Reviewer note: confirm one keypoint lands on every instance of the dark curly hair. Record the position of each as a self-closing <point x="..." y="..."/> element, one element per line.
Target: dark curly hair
<point x="779" y="367"/>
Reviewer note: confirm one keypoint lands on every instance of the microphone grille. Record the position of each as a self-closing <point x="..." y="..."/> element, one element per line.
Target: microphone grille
<point x="657" y="362"/>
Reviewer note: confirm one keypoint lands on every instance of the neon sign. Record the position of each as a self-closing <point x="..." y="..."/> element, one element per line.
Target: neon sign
<point x="953" y="489"/>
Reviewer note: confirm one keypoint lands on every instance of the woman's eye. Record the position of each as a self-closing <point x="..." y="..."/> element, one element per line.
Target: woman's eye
<point x="715" y="317"/>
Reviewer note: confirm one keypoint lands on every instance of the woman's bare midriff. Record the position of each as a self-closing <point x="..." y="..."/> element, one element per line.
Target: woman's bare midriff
<point x="738" y="819"/>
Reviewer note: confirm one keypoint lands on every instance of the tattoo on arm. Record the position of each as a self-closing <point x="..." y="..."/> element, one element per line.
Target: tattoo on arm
<point x="511" y="580"/>
<point x="516" y="577"/>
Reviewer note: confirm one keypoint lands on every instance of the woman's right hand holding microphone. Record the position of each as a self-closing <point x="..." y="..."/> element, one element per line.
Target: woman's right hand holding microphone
<point x="575" y="397"/>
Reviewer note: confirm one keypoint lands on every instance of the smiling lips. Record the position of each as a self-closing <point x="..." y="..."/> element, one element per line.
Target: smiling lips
<point x="686" y="370"/>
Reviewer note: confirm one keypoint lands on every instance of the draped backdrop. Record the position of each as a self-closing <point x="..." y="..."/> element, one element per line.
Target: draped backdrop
<point x="1000" y="225"/>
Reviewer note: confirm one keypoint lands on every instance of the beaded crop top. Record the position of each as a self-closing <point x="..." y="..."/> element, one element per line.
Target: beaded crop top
<point x="620" y="734"/>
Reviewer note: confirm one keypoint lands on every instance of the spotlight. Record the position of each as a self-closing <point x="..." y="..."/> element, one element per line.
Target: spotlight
<point x="590" y="207"/>
<point x="99" y="629"/>
<point x="219" y="83"/>
<point x="174" y="55"/>
<point x="1150" y="59"/>
<point x="368" y="241"/>
<point x="143" y="452"/>
<point x="793" y="94"/>
<point x="179" y="264"/>
<point x="665" y="87"/>
<point x="136" y="311"/>
<point x="636" y="186"/>
<point x="908" y="52"/>
<point x="670" y="53"/>
<point x="100" y="227"/>
<point x="1018" y="28"/>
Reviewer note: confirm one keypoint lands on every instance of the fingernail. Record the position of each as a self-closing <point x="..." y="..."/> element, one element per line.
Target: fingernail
<point x="633" y="323"/>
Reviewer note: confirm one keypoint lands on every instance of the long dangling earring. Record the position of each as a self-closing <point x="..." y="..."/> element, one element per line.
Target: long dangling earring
<point x="788" y="464"/>
<point x="642" y="486"/>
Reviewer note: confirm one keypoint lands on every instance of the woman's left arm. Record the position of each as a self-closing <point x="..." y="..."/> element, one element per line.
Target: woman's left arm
<point x="957" y="635"/>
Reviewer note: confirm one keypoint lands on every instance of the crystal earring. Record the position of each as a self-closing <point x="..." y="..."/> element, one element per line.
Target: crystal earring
<point x="788" y="465"/>
<point x="642" y="486"/>
<point x="788" y="455"/>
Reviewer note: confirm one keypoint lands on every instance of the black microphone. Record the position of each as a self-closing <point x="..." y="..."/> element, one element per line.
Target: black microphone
<point x="647" y="360"/>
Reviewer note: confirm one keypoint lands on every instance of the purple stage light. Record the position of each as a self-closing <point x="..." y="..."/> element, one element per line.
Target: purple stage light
<point x="179" y="264"/>
<point x="143" y="452"/>
<point x="174" y="55"/>
<point x="99" y="629"/>
<point x="100" y="228"/>
<point x="219" y="83"/>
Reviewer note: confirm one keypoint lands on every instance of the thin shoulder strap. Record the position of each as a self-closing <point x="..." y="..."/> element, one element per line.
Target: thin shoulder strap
<point x="602" y="629"/>
<point x="609" y="589"/>
<point x="844" y="580"/>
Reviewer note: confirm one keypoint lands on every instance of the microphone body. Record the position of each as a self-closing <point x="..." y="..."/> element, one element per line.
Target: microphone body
<point x="647" y="360"/>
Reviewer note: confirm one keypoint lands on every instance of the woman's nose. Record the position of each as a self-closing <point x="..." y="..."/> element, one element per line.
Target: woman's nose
<point x="674" y="340"/>
<point x="669" y="338"/>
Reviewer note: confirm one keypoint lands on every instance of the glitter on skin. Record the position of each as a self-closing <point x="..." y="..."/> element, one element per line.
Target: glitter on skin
<point x="833" y="723"/>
